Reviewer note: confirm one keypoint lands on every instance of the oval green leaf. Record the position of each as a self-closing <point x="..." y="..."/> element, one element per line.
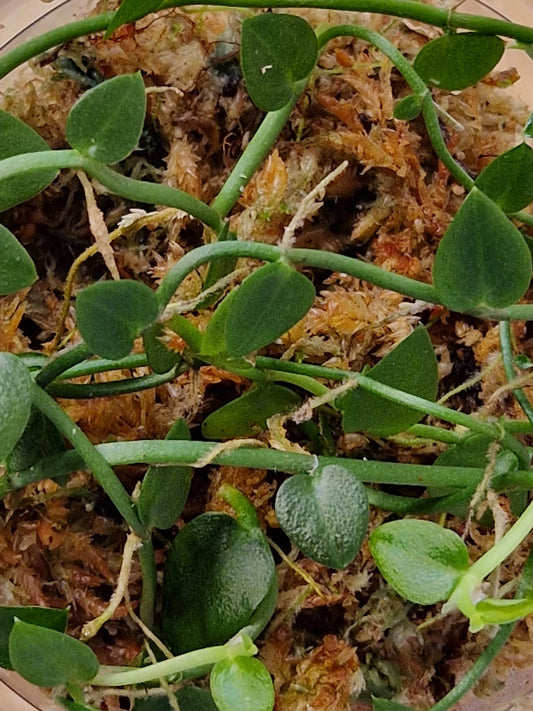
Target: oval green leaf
<point x="265" y="306"/>
<point x="408" y="108"/>
<point x="217" y="574"/>
<point x="456" y="61"/>
<point x="165" y="489"/>
<point x="508" y="180"/>
<point x="111" y="314"/>
<point x="17" y="270"/>
<point x="241" y="683"/>
<point x="43" y="616"/>
<point x="482" y="260"/>
<point x="248" y="414"/>
<point x="411" y="367"/>
<point x="46" y="657"/>
<point x="273" y="61"/>
<point x="325" y="514"/>
<point x="421" y="560"/>
<point x="17" y="138"/>
<point x="107" y="121"/>
<point x="15" y="401"/>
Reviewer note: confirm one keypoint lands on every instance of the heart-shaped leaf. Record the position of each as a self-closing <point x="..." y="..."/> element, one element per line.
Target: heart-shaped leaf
<point x="107" y="121"/>
<point x="46" y="657"/>
<point x="456" y="61"/>
<point x="277" y="52"/>
<point x="508" y="180"/>
<point x="42" y="616"/>
<point x="325" y="514"/>
<point x="241" y="683"/>
<point x="266" y="305"/>
<point x="131" y="10"/>
<point x="111" y="314"/>
<point x="15" y="401"/>
<point x="17" y="138"/>
<point x="248" y="414"/>
<point x="165" y="489"/>
<point x="421" y="560"/>
<point x="482" y="260"/>
<point x="411" y="367"/>
<point x="217" y="574"/>
<point x="17" y="270"/>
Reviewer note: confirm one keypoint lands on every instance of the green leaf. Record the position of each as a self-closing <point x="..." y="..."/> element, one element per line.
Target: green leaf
<point x="111" y="314"/>
<point x="17" y="138"/>
<point x="15" y="401"/>
<point x="411" y="367"/>
<point x="508" y="180"/>
<point x="408" y="108"/>
<point x="40" y="439"/>
<point x="165" y="489"/>
<point x="387" y="705"/>
<point x="160" y="358"/>
<point x="190" y="698"/>
<point x="482" y="260"/>
<point x="265" y="306"/>
<point x="17" y="270"/>
<point x="107" y="121"/>
<point x="130" y="11"/>
<point x="45" y="657"/>
<point x="325" y="514"/>
<point x="217" y="573"/>
<point x="241" y="683"/>
<point x="421" y="560"/>
<point x="456" y="61"/>
<point x="42" y="616"/>
<point x="247" y="415"/>
<point x="273" y="61"/>
<point x="500" y="612"/>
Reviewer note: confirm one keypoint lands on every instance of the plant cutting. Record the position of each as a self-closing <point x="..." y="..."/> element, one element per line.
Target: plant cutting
<point x="265" y="370"/>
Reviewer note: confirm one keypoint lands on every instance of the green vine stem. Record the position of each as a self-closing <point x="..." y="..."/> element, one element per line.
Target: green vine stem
<point x="102" y="365"/>
<point x="112" y="387"/>
<point x="411" y="9"/>
<point x="58" y="365"/>
<point x="240" y="646"/>
<point x="91" y="458"/>
<point x="137" y="190"/>
<point x="197" y="453"/>
<point x="507" y="356"/>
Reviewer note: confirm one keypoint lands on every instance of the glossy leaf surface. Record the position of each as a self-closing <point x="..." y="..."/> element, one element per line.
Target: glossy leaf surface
<point x="508" y="179"/>
<point x="46" y="657"/>
<point x="43" y="616"/>
<point x="277" y="51"/>
<point x="217" y="573"/>
<point x="421" y="560"/>
<point x="165" y="489"/>
<point x="17" y="270"/>
<point x="265" y="306"/>
<point x="17" y="138"/>
<point x="107" y="121"/>
<point x="411" y="367"/>
<point x="456" y="61"/>
<point x="325" y="514"/>
<point x="247" y="415"/>
<point x="482" y="260"/>
<point x="15" y="401"/>
<point x="241" y="683"/>
<point x="111" y="314"/>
